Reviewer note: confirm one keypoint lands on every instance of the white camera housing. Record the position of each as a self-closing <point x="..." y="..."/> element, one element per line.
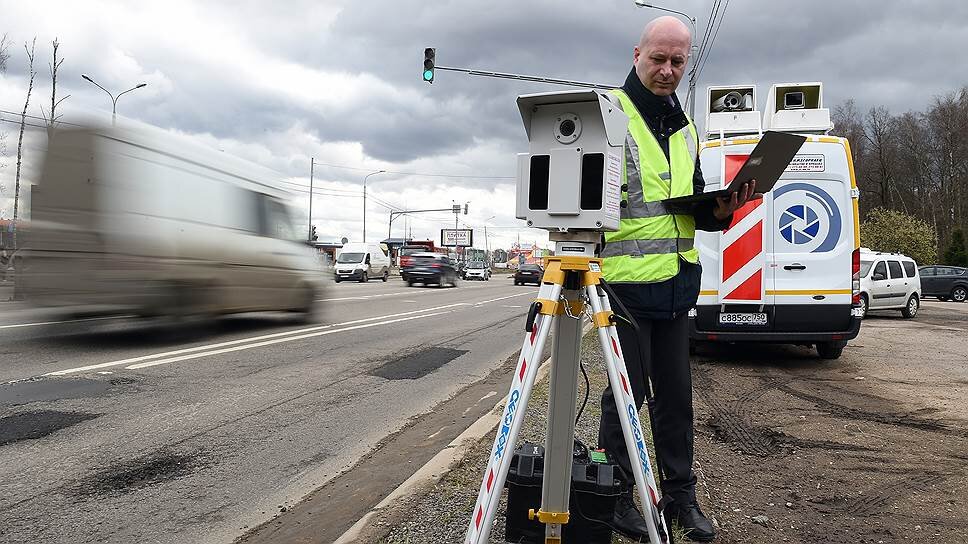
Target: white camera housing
<point x="571" y="178"/>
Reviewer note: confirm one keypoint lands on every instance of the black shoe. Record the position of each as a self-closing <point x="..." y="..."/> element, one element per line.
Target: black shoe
<point x="628" y="520"/>
<point x="692" y="521"/>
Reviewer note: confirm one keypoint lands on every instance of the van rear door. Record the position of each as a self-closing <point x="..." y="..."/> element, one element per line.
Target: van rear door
<point x="812" y="241"/>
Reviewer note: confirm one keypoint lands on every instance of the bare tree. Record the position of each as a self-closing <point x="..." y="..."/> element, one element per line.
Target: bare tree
<point x="20" y="143"/>
<point x="53" y="117"/>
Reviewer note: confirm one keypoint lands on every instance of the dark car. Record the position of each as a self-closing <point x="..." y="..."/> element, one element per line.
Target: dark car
<point x="431" y="268"/>
<point x="944" y="282"/>
<point x="406" y="258"/>
<point x="528" y="273"/>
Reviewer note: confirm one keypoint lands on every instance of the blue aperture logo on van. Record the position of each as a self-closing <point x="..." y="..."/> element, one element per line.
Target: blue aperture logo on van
<point x="799" y="224"/>
<point x="809" y="219"/>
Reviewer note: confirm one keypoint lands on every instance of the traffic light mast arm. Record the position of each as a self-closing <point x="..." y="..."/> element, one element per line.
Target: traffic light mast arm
<point x="524" y="77"/>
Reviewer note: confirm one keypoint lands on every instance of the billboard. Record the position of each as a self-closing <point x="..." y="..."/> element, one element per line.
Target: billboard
<point x="456" y="237"/>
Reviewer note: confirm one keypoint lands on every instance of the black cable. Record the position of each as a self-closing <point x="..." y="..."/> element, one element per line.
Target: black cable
<point x="588" y="386"/>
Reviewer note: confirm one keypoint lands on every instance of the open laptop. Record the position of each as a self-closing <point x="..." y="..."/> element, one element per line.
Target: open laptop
<point x="765" y="164"/>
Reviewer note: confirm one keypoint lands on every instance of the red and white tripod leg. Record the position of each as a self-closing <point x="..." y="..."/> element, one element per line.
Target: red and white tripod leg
<point x="629" y="418"/>
<point x="510" y="424"/>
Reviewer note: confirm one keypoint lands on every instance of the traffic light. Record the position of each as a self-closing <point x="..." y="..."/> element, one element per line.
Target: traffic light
<point x="428" y="70"/>
<point x="312" y="234"/>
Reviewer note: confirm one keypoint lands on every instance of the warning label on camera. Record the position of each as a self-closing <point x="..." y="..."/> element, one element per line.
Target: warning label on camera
<point x="806" y="163"/>
<point x="613" y="181"/>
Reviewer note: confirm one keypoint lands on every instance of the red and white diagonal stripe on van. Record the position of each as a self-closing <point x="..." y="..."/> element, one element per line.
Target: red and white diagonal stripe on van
<point x="743" y="258"/>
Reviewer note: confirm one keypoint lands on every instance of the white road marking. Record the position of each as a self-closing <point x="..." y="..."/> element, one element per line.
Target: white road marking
<point x="436" y="433"/>
<point x="277" y="341"/>
<point x="501" y="298"/>
<point x="487" y="396"/>
<point x="510" y="305"/>
<point x="58" y="322"/>
<point x="362" y="297"/>
<point x="241" y="341"/>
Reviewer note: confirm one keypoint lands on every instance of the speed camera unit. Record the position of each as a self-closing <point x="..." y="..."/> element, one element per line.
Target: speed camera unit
<point x="571" y="178"/>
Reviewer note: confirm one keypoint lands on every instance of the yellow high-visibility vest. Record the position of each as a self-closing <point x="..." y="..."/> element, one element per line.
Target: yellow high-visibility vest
<point x="651" y="239"/>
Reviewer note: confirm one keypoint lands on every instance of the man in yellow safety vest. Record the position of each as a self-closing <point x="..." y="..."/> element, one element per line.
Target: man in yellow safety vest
<point x="654" y="269"/>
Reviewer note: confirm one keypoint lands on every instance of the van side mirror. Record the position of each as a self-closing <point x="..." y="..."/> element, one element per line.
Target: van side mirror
<point x="878" y="276"/>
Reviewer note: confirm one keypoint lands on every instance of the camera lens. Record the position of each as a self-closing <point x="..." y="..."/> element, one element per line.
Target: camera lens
<point x="567" y="127"/>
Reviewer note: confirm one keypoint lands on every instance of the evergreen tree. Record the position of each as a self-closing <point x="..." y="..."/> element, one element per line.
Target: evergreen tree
<point x="956" y="255"/>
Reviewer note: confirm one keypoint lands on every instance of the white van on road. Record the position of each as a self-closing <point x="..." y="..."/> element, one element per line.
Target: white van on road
<point x="787" y="270"/>
<point x="889" y="281"/>
<point x="135" y="220"/>
<point x="360" y="262"/>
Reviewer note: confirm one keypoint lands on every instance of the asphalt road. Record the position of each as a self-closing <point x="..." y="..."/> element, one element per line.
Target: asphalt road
<point x="111" y="431"/>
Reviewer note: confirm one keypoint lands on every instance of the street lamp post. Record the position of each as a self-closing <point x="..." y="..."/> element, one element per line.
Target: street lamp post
<point x="691" y="94"/>
<point x="487" y="246"/>
<point x="364" y="198"/>
<point x="114" y="99"/>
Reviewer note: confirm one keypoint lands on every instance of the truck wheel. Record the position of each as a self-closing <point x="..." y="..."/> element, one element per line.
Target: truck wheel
<point x="959" y="294"/>
<point x="911" y="310"/>
<point x="830" y="350"/>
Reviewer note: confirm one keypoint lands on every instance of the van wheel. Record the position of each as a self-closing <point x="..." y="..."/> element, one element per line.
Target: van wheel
<point x="911" y="310"/>
<point x="386" y="275"/>
<point x="830" y="350"/>
<point x="959" y="294"/>
<point x="365" y="278"/>
<point x="307" y="312"/>
<point x="863" y="306"/>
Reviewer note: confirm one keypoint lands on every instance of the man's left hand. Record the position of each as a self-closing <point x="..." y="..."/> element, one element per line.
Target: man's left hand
<point x="726" y="205"/>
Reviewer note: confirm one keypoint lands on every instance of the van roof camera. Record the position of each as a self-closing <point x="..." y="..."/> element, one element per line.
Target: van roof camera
<point x="793" y="100"/>
<point x="570" y="179"/>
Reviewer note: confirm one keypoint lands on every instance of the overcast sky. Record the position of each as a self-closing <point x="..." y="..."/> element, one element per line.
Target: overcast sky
<point x="281" y="82"/>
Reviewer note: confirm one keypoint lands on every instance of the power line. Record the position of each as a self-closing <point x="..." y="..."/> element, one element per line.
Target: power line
<point x="722" y="15"/>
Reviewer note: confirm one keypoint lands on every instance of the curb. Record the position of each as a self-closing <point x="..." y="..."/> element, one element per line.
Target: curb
<point x="438" y="467"/>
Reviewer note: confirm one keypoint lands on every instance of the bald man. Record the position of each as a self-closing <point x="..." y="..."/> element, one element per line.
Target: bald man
<point x="653" y="267"/>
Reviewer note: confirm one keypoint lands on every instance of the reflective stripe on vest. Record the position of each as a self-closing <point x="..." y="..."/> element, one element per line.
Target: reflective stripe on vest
<point x="637" y="248"/>
<point x="651" y="239"/>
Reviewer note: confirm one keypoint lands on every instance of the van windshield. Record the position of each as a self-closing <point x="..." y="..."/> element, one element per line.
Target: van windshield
<point x="865" y="267"/>
<point x="349" y="258"/>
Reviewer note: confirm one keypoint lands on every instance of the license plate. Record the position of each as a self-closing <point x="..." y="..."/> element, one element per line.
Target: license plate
<point x="758" y="318"/>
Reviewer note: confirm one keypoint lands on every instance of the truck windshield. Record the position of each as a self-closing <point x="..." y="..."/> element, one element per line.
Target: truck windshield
<point x="346" y="258"/>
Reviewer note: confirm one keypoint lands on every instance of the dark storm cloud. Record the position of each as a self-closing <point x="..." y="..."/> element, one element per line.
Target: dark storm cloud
<point x="897" y="54"/>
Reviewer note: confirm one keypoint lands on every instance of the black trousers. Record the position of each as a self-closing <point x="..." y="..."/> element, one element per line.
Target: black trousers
<point x="665" y="343"/>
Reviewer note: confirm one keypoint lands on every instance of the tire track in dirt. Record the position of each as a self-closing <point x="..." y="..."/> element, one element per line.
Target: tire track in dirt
<point x="894" y="419"/>
<point x="731" y="423"/>
<point x="876" y="499"/>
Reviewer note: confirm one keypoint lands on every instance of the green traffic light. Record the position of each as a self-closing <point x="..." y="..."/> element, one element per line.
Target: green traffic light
<point x="428" y="75"/>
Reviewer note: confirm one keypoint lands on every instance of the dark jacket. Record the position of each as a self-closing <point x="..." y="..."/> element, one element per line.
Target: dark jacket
<point x="667" y="299"/>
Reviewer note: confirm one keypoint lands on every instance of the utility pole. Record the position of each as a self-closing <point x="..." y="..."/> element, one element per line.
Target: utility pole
<point x="309" y="230"/>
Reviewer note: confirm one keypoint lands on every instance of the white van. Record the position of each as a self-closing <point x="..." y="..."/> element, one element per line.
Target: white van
<point x="362" y="261"/>
<point x="787" y="269"/>
<point x="889" y="281"/>
<point x="140" y="221"/>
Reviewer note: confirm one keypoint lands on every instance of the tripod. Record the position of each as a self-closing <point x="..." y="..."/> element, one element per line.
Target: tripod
<point x="571" y="280"/>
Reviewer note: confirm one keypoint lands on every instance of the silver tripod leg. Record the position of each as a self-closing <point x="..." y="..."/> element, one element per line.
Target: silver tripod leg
<point x="629" y="418"/>
<point x="560" y="435"/>
<point x="509" y="426"/>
